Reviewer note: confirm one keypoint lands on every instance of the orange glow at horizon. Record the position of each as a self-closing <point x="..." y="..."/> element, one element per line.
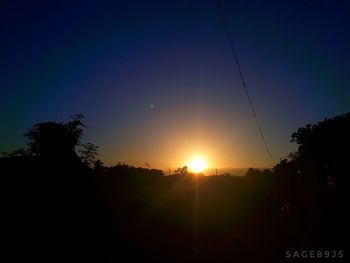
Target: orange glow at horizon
<point x="208" y="135"/>
<point x="197" y="165"/>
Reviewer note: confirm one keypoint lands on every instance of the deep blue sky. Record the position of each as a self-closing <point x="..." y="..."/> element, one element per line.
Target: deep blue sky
<point x="156" y="79"/>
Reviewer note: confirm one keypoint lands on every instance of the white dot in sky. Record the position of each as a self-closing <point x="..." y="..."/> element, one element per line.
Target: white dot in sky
<point x="151" y="106"/>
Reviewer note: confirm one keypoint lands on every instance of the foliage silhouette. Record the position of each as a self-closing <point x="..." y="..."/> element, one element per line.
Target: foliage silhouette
<point x="181" y="170"/>
<point x="323" y="147"/>
<point x="251" y="172"/>
<point x="54" y="139"/>
<point x="67" y="206"/>
<point x="54" y="202"/>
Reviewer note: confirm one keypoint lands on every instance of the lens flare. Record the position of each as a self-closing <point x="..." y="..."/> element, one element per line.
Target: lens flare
<point x="197" y="165"/>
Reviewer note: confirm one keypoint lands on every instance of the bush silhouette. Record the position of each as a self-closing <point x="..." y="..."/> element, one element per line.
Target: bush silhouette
<point x="67" y="206"/>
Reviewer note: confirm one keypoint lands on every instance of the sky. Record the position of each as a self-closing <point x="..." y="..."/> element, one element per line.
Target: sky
<point x="157" y="82"/>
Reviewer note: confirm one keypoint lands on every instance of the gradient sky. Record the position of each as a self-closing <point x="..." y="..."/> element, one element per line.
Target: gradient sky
<point x="157" y="82"/>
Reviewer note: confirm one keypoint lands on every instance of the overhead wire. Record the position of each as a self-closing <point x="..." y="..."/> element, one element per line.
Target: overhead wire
<point x="243" y="80"/>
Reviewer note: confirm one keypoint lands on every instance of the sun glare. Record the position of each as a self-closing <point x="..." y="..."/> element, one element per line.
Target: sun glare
<point x="197" y="165"/>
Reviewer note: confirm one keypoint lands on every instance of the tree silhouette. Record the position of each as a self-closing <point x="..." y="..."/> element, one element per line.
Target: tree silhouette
<point x="251" y="172"/>
<point x="181" y="170"/>
<point x="88" y="153"/>
<point x="61" y="141"/>
<point x="99" y="214"/>
<point x="98" y="165"/>
<point x="323" y="147"/>
<point x="266" y="173"/>
<point x="48" y="138"/>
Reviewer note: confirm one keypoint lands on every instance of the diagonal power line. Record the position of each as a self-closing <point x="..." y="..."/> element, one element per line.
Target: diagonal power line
<point x="244" y="85"/>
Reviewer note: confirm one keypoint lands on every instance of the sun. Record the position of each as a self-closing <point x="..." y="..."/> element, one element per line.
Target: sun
<point x="197" y="165"/>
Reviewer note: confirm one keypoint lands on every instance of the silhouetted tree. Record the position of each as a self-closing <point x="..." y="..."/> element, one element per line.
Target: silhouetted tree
<point x="267" y="173"/>
<point x="323" y="147"/>
<point x="286" y="174"/>
<point x="127" y="210"/>
<point x="251" y="172"/>
<point x="98" y="165"/>
<point x="52" y="138"/>
<point x="181" y="170"/>
<point x="87" y="154"/>
<point x="61" y="141"/>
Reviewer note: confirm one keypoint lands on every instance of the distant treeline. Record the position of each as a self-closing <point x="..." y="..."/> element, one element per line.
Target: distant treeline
<point x="63" y="205"/>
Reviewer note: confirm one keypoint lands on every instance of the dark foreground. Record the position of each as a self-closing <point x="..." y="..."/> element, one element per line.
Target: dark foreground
<point x="70" y="213"/>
